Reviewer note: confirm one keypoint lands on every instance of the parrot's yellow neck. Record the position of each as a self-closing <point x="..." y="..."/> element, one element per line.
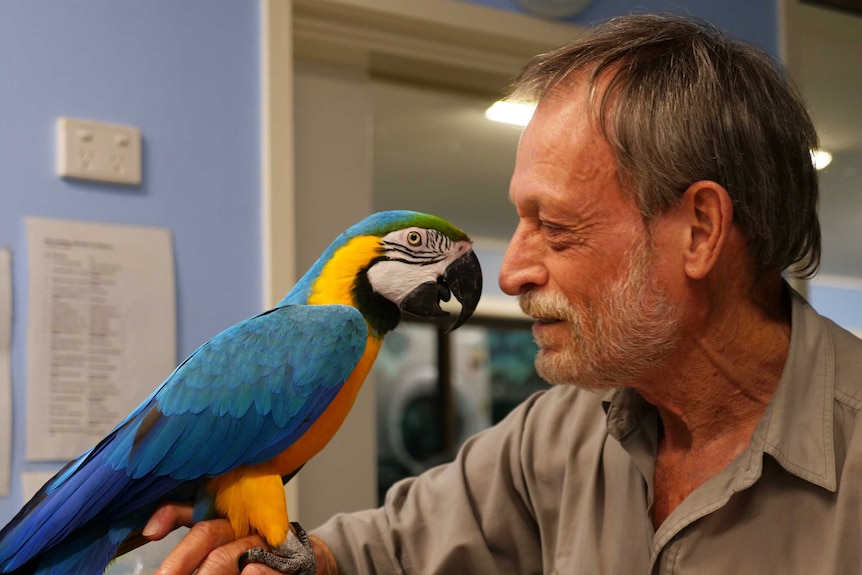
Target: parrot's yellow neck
<point x="337" y="280"/>
<point x="343" y="280"/>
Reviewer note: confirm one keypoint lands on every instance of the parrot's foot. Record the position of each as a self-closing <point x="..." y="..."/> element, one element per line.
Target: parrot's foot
<point x="295" y="556"/>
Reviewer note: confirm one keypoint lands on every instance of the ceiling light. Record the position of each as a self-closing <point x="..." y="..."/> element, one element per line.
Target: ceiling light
<point x="821" y="158"/>
<point x="514" y="113"/>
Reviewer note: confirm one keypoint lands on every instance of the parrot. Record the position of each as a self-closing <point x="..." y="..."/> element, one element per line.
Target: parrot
<point x="244" y="412"/>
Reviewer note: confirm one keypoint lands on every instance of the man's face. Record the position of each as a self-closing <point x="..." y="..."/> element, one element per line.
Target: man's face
<point x="581" y="259"/>
<point x="628" y="329"/>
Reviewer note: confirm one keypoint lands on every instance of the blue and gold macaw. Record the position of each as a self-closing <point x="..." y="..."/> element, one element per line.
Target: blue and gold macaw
<point x="243" y="413"/>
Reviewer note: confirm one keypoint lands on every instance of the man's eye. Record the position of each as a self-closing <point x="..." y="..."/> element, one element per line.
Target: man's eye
<point x="550" y="226"/>
<point x="560" y="238"/>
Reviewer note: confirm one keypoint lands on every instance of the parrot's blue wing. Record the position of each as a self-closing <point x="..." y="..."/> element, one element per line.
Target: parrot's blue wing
<point x="248" y="394"/>
<point x="241" y="398"/>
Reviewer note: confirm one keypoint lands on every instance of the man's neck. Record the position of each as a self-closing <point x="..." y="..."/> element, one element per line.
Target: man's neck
<point x="713" y="393"/>
<point x="721" y="379"/>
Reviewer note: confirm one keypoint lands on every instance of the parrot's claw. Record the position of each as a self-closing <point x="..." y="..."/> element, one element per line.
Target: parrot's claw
<point x="295" y="556"/>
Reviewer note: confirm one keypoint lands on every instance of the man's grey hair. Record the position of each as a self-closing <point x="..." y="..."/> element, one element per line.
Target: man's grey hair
<point x="681" y="102"/>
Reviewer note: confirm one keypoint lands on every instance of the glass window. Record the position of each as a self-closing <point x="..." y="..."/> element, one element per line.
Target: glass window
<point x="487" y="369"/>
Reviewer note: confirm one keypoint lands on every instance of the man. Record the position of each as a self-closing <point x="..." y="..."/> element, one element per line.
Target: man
<point x="705" y="418"/>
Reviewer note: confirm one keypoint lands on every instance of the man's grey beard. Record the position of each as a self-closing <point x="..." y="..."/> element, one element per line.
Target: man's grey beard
<point x="629" y="330"/>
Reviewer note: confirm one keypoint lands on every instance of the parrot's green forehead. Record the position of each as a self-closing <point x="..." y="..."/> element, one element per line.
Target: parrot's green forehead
<point x="382" y="223"/>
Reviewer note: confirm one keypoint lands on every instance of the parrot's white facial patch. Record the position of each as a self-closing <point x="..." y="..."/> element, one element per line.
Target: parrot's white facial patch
<point x="414" y="256"/>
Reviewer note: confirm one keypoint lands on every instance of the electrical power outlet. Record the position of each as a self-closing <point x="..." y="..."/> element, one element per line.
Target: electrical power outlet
<point x="89" y="150"/>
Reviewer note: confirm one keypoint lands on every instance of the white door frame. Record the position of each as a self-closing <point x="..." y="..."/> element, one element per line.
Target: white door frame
<point x="440" y="42"/>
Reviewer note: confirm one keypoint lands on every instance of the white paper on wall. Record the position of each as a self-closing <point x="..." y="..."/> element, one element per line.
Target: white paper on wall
<point x="101" y="329"/>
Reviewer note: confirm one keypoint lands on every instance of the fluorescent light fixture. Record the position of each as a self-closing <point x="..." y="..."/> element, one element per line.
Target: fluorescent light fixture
<point x="514" y="113"/>
<point x="821" y="159"/>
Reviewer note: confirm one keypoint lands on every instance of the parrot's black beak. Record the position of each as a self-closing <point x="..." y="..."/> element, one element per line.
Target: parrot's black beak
<point x="463" y="279"/>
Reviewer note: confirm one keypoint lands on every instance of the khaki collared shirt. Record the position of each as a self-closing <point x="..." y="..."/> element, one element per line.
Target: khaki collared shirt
<point x="564" y="485"/>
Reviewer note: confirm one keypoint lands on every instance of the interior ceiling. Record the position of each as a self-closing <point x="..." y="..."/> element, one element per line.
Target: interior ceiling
<point x="434" y="150"/>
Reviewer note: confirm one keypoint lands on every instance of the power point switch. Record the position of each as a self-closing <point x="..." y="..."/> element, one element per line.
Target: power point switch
<point x="98" y="151"/>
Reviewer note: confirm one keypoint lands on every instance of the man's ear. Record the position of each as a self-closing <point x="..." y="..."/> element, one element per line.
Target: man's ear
<point x="706" y="211"/>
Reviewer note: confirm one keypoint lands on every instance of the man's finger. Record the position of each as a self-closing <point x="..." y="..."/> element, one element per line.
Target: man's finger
<point x="259" y="569"/>
<point x="225" y="559"/>
<point x="192" y="551"/>
<point x="167" y="518"/>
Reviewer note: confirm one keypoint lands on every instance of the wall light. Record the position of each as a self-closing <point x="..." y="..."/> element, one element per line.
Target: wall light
<point x="821" y="158"/>
<point x="515" y="113"/>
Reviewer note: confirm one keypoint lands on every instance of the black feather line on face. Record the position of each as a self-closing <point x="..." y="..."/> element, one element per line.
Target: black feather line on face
<point x="381" y="314"/>
<point x="441" y="243"/>
<point x="434" y="249"/>
<point x="417" y="257"/>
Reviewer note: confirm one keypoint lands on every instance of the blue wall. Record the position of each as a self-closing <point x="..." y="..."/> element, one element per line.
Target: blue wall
<point x="840" y="303"/>
<point x="187" y="73"/>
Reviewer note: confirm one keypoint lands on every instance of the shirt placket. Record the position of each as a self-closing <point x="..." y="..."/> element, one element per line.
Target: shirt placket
<point x="636" y="427"/>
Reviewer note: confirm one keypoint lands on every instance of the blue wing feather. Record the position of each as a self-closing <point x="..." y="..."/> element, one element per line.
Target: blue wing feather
<point x="240" y="399"/>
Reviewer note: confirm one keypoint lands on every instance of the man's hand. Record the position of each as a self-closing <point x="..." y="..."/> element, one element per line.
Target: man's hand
<point x="211" y="546"/>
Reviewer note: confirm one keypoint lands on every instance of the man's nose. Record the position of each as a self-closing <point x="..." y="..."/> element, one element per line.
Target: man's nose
<point x="522" y="268"/>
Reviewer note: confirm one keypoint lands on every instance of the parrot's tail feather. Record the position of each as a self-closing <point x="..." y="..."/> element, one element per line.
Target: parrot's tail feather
<point x="86" y="554"/>
<point x="56" y="514"/>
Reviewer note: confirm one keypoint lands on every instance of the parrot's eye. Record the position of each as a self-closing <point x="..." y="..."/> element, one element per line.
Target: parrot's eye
<point x="414" y="238"/>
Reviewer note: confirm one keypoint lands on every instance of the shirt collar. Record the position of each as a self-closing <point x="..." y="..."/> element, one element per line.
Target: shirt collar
<point x="625" y="409"/>
<point x="796" y="428"/>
